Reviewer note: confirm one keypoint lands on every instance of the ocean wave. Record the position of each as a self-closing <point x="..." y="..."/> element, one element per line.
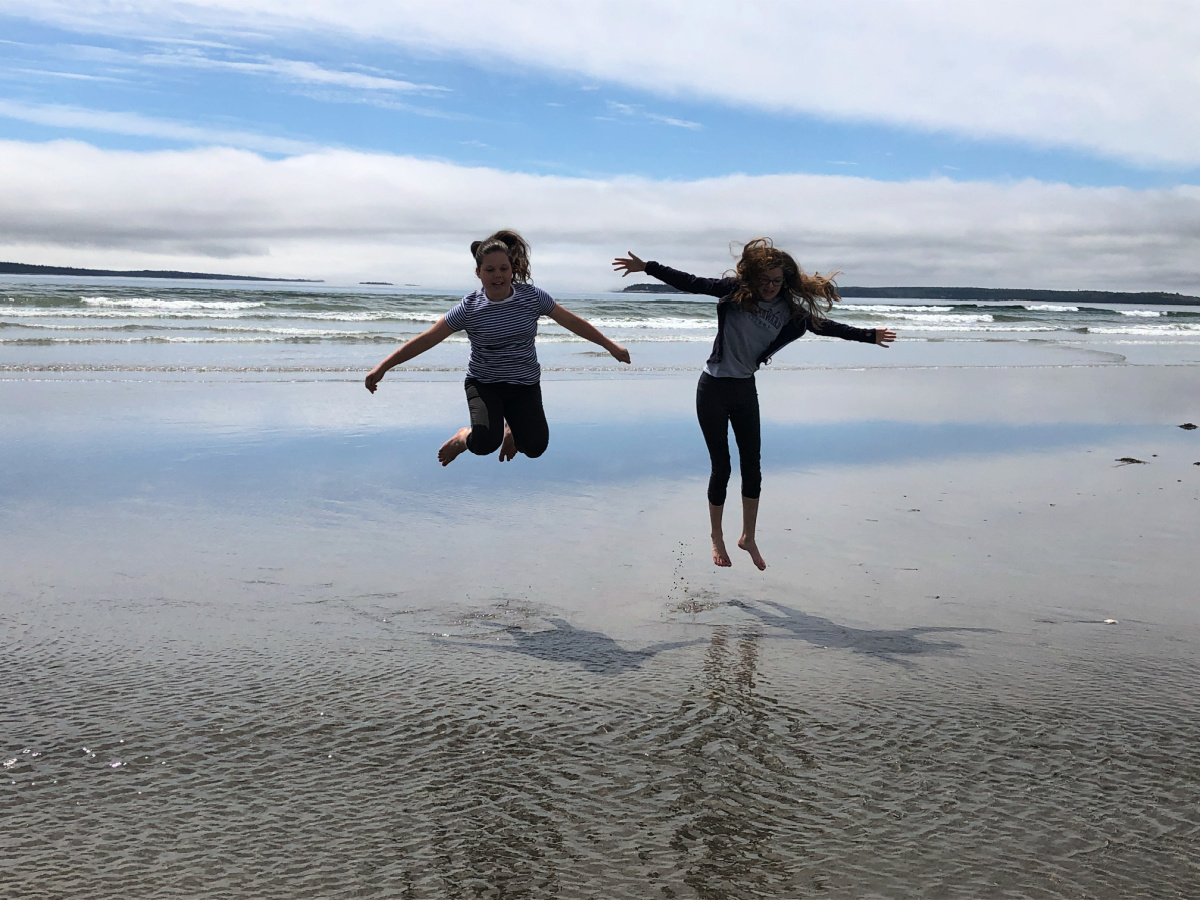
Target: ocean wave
<point x="1049" y="307"/>
<point x="300" y="338"/>
<point x="1180" y="328"/>
<point x="315" y="338"/>
<point x="209" y="312"/>
<point x="169" y="305"/>
<point x="989" y="328"/>
<point x="565" y="337"/>
<point x="660" y="324"/>
<point x="944" y="318"/>
<point x="1141" y="313"/>
<point x="882" y="308"/>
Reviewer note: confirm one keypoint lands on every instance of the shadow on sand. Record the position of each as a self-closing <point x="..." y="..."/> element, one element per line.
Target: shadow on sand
<point x="596" y="652"/>
<point x="592" y="651"/>
<point x="881" y="643"/>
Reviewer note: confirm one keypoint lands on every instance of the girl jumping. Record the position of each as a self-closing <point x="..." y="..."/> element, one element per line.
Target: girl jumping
<point x="769" y="303"/>
<point x="504" y="393"/>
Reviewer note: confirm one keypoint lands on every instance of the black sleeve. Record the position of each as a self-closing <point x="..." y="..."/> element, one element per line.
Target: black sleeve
<point x="831" y="328"/>
<point x="691" y="284"/>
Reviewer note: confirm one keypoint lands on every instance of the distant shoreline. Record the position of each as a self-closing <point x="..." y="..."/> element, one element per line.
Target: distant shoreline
<point x="7" y="268"/>
<point x="973" y="293"/>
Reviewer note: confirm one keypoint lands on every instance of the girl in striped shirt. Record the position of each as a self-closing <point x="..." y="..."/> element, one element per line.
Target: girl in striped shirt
<point x="504" y="393"/>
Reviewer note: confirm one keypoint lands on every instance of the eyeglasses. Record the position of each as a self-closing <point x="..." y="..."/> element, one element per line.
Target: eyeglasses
<point x="770" y="282"/>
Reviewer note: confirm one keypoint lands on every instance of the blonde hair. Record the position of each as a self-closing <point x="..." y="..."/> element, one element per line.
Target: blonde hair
<point x="511" y="244"/>
<point x="812" y="294"/>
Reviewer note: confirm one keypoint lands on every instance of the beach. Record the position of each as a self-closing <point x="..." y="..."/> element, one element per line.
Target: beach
<point x="261" y="644"/>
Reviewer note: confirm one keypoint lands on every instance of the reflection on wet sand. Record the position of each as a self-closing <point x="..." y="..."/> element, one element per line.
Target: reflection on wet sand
<point x="500" y="847"/>
<point x="750" y="813"/>
<point x="736" y="788"/>
<point x="737" y="808"/>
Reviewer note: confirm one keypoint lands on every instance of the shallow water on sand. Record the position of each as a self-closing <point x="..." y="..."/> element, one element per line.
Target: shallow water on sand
<point x="772" y="755"/>
<point x="291" y="658"/>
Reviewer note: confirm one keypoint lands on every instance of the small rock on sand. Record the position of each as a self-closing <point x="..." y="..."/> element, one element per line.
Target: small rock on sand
<point x="1129" y="460"/>
<point x="1188" y="426"/>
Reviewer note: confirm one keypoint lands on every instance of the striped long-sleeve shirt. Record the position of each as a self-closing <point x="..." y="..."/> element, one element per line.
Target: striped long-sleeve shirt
<point x="502" y="334"/>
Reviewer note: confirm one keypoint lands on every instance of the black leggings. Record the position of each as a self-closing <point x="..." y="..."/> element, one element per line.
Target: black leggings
<point x="719" y="403"/>
<point x="493" y="402"/>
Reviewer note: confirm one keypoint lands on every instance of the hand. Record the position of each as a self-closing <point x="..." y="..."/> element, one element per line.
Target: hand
<point x="625" y="265"/>
<point x="373" y="379"/>
<point x="619" y="353"/>
<point x="884" y="336"/>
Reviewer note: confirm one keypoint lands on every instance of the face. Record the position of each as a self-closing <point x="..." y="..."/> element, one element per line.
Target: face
<point x="769" y="284"/>
<point x="495" y="274"/>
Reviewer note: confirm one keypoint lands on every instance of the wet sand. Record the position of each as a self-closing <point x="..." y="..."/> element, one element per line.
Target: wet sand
<point x="264" y="646"/>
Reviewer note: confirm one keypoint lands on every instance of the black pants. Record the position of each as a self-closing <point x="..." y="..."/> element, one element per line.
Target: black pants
<point x="721" y="402"/>
<point x="493" y="402"/>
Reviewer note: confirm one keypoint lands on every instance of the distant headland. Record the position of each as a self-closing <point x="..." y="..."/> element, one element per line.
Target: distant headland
<point x="7" y="268"/>
<point x="971" y="293"/>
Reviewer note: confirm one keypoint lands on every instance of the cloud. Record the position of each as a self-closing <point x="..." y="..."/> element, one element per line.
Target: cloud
<point x="1109" y="77"/>
<point x="344" y="215"/>
<point x="137" y="125"/>
<point x="298" y="71"/>
<point x="71" y="76"/>
<point x="635" y="111"/>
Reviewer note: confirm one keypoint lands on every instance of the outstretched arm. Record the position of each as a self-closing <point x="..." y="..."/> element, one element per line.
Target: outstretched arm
<point x="828" y="327"/>
<point x="691" y="284"/>
<point x="415" y="347"/>
<point x="588" y="331"/>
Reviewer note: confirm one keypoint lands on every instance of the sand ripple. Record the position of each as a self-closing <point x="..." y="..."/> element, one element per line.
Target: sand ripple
<point x="522" y="757"/>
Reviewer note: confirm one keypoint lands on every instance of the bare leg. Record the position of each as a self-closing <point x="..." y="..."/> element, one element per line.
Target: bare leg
<point x="720" y="554"/>
<point x="508" y="450"/>
<point x="454" y="446"/>
<point x="749" y="521"/>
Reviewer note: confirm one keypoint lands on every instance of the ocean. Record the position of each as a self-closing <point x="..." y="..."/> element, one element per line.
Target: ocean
<point x="87" y="327"/>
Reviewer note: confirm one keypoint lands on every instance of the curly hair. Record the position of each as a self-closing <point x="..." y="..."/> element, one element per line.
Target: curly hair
<point x="510" y="243"/>
<point x="813" y="295"/>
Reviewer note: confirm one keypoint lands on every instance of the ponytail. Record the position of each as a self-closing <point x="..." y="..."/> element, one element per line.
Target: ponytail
<point x="512" y="245"/>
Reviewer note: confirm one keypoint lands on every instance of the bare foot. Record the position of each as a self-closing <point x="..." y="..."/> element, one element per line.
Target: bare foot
<point x="454" y="446"/>
<point x="720" y="554"/>
<point x="508" y="450"/>
<point x="752" y="548"/>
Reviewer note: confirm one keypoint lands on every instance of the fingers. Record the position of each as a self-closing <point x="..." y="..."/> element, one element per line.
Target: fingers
<point x="631" y="263"/>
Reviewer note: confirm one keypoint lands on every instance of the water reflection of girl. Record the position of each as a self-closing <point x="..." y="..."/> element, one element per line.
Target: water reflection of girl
<point x="769" y="303"/>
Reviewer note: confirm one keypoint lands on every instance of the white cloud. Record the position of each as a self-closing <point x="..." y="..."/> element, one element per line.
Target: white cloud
<point x="344" y="215"/>
<point x="298" y="71"/>
<point x="1110" y="77"/>
<point x="70" y="76"/>
<point x="137" y="125"/>
<point x="635" y="111"/>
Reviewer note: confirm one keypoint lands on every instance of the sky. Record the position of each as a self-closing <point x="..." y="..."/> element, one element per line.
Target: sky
<point x="1031" y="143"/>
